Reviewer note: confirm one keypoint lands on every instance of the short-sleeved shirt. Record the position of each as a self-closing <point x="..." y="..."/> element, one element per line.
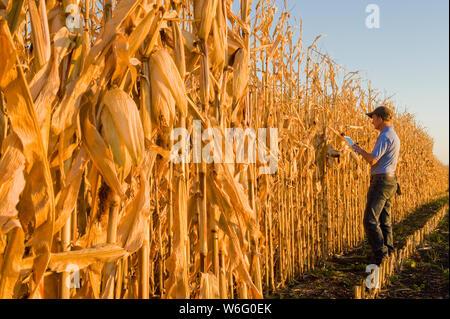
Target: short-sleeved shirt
<point x="386" y="151"/>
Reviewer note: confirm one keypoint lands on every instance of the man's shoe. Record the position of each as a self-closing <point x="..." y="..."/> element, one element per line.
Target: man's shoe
<point x="373" y="260"/>
<point x="377" y="260"/>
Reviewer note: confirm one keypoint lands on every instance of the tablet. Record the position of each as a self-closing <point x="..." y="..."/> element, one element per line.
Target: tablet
<point x="349" y="140"/>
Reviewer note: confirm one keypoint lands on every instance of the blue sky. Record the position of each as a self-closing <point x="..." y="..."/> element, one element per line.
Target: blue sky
<point x="406" y="57"/>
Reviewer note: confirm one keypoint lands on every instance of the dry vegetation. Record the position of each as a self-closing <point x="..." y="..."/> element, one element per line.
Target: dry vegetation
<point x="85" y="175"/>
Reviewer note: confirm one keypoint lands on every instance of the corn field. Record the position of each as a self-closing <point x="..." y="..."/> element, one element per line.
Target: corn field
<point x="86" y="180"/>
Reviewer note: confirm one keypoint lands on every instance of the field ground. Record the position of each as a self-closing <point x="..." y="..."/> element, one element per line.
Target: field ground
<point x="424" y="275"/>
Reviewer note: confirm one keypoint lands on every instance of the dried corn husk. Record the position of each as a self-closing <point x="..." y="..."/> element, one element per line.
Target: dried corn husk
<point x="240" y="75"/>
<point x="124" y="115"/>
<point x="204" y="12"/>
<point x="166" y="71"/>
<point x="101" y="155"/>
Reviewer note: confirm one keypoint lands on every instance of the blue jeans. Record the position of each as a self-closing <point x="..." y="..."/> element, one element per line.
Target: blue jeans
<point x="377" y="215"/>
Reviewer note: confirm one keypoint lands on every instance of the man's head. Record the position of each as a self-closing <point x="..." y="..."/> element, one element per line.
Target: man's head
<point x="381" y="117"/>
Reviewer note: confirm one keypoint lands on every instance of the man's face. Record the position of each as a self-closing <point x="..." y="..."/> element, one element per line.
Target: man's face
<point x="377" y="121"/>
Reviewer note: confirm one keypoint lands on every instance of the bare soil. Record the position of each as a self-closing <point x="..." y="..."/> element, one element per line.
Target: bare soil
<point x="425" y="275"/>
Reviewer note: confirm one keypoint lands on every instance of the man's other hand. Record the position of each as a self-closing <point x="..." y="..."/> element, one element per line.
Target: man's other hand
<point x="357" y="149"/>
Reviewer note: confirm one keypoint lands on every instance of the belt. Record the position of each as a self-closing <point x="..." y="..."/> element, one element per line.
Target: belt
<point x="382" y="175"/>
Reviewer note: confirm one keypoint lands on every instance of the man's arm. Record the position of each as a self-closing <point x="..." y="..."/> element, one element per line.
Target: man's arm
<point x="369" y="158"/>
<point x="379" y="150"/>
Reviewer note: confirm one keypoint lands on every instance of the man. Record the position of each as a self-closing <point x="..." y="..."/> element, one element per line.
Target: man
<point x="383" y="183"/>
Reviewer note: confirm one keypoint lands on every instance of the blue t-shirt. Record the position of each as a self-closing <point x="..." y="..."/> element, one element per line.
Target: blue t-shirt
<point x="386" y="152"/>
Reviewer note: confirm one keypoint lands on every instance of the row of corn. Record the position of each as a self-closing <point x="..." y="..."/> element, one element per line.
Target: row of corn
<point x="91" y="204"/>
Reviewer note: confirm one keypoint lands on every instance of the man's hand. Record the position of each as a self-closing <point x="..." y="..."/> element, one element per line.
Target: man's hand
<point x="357" y="149"/>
